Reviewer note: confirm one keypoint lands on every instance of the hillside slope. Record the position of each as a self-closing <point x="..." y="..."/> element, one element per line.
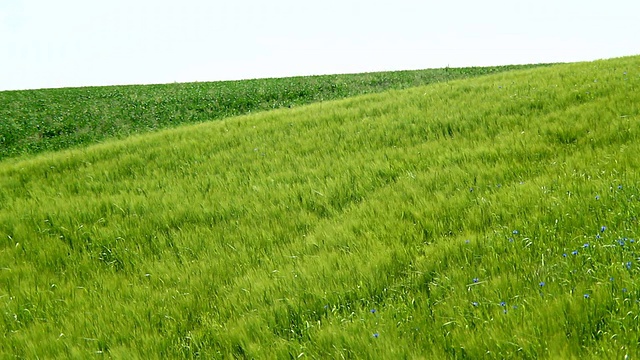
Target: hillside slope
<point x="36" y="121"/>
<point x="492" y="217"/>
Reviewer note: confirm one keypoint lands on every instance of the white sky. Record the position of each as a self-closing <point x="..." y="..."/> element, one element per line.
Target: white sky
<point x="60" y="43"/>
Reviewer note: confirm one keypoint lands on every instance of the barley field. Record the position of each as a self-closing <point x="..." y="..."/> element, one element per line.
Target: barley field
<point x="37" y="121"/>
<point x="489" y="217"/>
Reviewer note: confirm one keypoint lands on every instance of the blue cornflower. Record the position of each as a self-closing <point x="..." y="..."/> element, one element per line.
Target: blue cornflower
<point x="516" y="232"/>
<point x="624" y="289"/>
<point x="597" y="236"/>
<point x="620" y="242"/>
<point x="628" y="264"/>
<point x="373" y="311"/>
<point x="542" y="283"/>
<point x="574" y="252"/>
<point x="585" y="245"/>
<point x="474" y="303"/>
<point x="475" y="280"/>
<point x="502" y="303"/>
<point x="586" y="296"/>
<point x="619" y="187"/>
<point x="603" y="228"/>
<point x="597" y="197"/>
<point x="611" y="278"/>
<point x="375" y="335"/>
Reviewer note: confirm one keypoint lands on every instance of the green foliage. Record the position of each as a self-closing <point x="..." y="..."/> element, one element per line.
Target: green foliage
<point x="35" y="121"/>
<point x="493" y="217"/>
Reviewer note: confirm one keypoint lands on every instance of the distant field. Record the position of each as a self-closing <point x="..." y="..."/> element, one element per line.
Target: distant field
<point x="43" y="120"/>
<point x="487" y="218"/>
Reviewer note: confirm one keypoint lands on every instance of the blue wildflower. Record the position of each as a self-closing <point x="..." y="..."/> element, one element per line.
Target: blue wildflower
<point x="597" y="197"/>
<point x="619" y="187"/>
<point x="611" y="278"/>
<point x="375" y="335"/>
<point x="624" y="289"/>
<point x="516" y="232"/>
<point x="502" y="303"/>
<point x="564" y="254"/>
<point x="475" y="280"/>
<point x="475" y="304"/>
<point x="586" y="296"/>
<point x="467" y="241"/>
<point x="574" y="252"/>
<point x="603" y="228"/>
<point x="628" y="264"/>
<point x="542" y="283"/>
<point x="373" y="311"/>
<point x="585" y="245"/>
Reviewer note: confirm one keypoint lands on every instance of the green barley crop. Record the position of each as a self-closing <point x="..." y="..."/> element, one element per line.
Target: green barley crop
<point x="494" y="217"/>
<point x="36" y="121"/>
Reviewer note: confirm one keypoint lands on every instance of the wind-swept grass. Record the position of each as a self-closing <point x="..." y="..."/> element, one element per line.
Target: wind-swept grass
<point x="35" y="121"/>
<point x="493" y="217"/>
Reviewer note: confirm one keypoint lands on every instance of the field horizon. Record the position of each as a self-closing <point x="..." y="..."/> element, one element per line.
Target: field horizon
<point x="487" y="217"/>
<point x="45" y="120"/>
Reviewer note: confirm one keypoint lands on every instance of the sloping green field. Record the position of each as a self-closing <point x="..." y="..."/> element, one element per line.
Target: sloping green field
<point x="493" y="217"/>
<point x="36" y="121"/>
